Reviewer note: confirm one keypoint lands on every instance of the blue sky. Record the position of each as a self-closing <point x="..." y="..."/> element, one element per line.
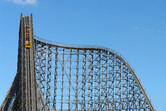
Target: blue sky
<point x="134" y="28"/>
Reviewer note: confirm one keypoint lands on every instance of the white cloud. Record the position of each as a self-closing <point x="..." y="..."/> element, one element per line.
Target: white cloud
<point x="141" y="29"/>
<point x="136" y="28"/>
<point x="24" y="2"/>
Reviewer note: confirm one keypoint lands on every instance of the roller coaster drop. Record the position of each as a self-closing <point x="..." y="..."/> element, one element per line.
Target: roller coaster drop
<point x="53" y="77"/>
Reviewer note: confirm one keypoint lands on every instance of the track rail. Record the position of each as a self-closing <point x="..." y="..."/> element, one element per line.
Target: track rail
<point x="87" y="47"/>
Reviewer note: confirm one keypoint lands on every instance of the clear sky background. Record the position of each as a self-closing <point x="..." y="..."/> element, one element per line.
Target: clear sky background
<point x="134" y="28"/>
